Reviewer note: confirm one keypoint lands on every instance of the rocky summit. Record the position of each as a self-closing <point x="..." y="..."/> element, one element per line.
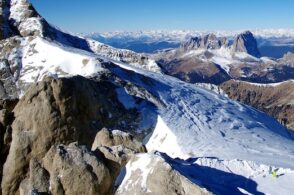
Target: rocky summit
<point x="246" y="42"/>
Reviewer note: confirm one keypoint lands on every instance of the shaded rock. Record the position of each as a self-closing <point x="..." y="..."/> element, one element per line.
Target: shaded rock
<point x="38" y="181"/>
<point x="245" y="42"/>
<point x="60" y="111"/>
<point x="10" y="66"/>
<point x="117" y="147"/>
<point x="8" y="104"/>
<point x="74" y="169"/>
<point x="151" y="174"/>
<point x="6" y="119"/>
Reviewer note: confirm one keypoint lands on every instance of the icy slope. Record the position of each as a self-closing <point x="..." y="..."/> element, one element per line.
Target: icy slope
<point x="227" y="147"/>
<point x="199" y="123"/>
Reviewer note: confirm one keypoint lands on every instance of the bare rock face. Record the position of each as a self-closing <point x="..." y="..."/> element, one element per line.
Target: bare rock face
<point x="6" y="119"/>
<point x="38" y="180"/>
<point x="59" y="111"/>
<point x="245" y="42"/>
<point x="75" y="170"/>
<point x="10" y="66"/>
<point x="209" y="41"/>
<point x="151" y="174"/>
<point x="109" y="138"/>
<point x="71" y="170"/>
<point x="117" y="147"/>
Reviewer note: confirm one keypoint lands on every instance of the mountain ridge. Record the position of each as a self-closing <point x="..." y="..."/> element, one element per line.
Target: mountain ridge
<point x="56" y="144"/>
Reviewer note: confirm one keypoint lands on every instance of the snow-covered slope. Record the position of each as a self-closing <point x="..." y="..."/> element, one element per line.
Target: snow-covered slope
<point x="193" y="123"/>
<point x="227" y="139"/>
<point x="42" y="58"/>
<point x="200" y="123"/>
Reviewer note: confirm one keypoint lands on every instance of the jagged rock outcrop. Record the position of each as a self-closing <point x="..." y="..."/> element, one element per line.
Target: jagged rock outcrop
<point x="109" y="138"/>
<point x="123" y="55"/>
<point x="71" y="169"/>
<point x="148" y="173"/>
<point x="60" y="111"/>
<point x="117" y="147"/>
<point x="209" y="41"/>
<point x="6" y="119"/>
<point x="10" y="67"/>
<point x="245" y="42"/>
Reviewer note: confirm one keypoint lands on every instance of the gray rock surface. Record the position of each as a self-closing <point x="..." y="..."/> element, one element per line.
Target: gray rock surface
<point x="75" y="170"/>
<point x="117" y="147"/>
<point x="245" y="42"/>
<point x="68" y="170"/>
<point x="209" y="41"/>
<point x="109" y="138"/>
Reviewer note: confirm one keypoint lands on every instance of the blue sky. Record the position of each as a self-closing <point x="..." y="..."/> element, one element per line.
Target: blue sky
<point x="133" y="15"/>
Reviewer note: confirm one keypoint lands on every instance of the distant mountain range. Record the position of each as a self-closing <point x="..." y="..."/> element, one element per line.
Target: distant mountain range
<point x="271" y="42"/>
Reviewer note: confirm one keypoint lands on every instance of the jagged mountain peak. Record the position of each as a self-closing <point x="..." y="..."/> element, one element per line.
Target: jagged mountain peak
<point x="209" y="41"/>
<point x="18" y="17"/>
<point x="246" y="42"/>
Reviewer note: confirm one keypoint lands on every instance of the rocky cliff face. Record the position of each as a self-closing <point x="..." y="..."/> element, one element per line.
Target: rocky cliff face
<point x="57" y="144"/>
<point x="245" y="42"/>
<point x="209" y="41"/>
<point x="59" y="112"/>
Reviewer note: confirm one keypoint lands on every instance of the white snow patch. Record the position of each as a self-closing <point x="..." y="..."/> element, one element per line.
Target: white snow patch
<point x="142" y="166"/>
<point x="42" y="58"/>
<point x="164" y="140"/>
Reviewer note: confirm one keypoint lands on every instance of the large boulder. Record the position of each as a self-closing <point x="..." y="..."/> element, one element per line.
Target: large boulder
<point x="151" y="174"/>
<point x="60" y="111"/>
